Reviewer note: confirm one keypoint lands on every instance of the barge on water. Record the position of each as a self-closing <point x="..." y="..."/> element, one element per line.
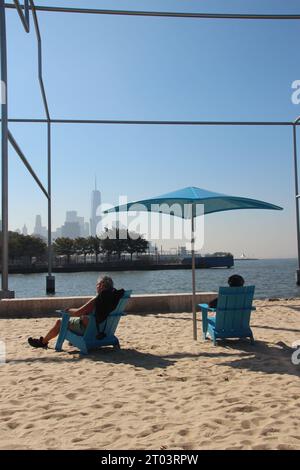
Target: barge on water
<point x="203" y="262"/>
<point x="206" y="262"/>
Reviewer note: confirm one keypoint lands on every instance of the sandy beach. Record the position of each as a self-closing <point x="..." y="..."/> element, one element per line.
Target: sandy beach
<point x="162" y="390"/>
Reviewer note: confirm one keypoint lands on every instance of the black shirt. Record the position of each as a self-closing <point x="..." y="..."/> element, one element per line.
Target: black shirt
<point x="106" y="301"/>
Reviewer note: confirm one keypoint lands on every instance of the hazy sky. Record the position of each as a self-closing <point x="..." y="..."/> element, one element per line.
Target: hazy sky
<point x="111" y="67"/>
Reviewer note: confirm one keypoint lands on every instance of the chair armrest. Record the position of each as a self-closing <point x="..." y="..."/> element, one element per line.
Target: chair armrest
<point x="63" y="314"/>
<point x="206" y="307"/>
<point x="63" y="329"/>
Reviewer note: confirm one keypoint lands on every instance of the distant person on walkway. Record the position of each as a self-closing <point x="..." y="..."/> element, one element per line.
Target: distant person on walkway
<point x="233" y="281"/>
<point x="103" y="304"/>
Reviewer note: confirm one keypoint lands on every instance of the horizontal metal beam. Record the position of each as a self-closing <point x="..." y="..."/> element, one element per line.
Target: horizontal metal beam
<point x="165" y="14"/>
<point x="26" y="163"/>
<point x="167" y="123"/>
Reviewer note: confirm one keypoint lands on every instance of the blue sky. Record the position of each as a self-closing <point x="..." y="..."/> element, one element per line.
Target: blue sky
<point x="154" y="68"/>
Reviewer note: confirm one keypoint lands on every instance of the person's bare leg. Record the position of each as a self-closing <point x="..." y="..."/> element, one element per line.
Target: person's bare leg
<point x="52" y="333"/>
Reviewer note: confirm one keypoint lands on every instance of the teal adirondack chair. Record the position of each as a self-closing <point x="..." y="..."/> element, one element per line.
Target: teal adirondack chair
<point x="232" y="315"/>
<point x="89" y="340"/>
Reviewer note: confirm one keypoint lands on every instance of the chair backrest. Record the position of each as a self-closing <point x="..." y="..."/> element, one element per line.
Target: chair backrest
<point x="234" y="308"/>
<point x="109" y="325"/>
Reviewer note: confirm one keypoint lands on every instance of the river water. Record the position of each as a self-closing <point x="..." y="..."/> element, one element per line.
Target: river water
<point x="272" y="278"/>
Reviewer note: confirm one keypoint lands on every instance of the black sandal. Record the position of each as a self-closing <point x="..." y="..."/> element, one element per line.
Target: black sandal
<point x="37" y="343"/>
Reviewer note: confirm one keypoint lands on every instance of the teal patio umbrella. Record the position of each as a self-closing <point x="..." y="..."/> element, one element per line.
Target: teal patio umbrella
<point x="186" y="203"/>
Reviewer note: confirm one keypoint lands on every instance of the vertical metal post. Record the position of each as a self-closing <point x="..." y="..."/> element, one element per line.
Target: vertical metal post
<point x="50" y="280"/>
<point x="193" y="274"/>
<point x="4" y="293"/>
<point x="297" y="200"/>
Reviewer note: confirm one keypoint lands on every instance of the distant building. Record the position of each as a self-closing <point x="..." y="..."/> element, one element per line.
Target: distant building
<point x="56" y="234"/>
<point x="74" y="226"/>
<point x="24" y="230"/>
<point x="71" y="216"/>
<point x="86" y="229"/>
<point x="95" y="219"/>
<point x="80" y="220"/>
<point x="71" y="230"/>
<point x="39" y="230"/>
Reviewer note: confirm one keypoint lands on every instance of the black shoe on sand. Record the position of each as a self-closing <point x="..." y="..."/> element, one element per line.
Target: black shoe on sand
<point x="37" y="343"/>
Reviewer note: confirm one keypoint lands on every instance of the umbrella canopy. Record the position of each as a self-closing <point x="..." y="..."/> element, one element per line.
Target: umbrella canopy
<point x="213" y="202"/>
<point x="183" y="203"/>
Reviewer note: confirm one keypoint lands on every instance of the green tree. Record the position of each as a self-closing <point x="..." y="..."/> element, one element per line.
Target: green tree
<point x="113" y="241"/>
<point x="64" y="246"/>
<point x="33" y="246"/>
<point x="24" y="246"/>
<point x="82" y="247"/>
<point x="95" y="245"/>
<point x="136" y="244"/>
<point x="15" y="245"/>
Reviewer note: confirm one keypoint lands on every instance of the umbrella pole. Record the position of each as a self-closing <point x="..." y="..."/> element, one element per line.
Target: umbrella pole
<point x="194" y="277"/>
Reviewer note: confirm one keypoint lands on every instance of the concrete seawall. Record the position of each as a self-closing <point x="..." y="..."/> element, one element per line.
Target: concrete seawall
<point x="137" y="304"/>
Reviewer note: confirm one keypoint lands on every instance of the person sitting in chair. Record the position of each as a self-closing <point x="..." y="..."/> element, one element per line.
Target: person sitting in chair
<point x="233" y="281"/>
<point x="103" y="304"/>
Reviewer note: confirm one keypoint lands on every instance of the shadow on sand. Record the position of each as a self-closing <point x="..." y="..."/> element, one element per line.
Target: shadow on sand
<point x="274" y="358"/>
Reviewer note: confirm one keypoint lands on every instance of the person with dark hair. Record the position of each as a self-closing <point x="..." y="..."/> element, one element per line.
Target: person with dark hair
<point x="103" y="304"/>
<point x="233" y="281"/>
<point x="236" y="281"/>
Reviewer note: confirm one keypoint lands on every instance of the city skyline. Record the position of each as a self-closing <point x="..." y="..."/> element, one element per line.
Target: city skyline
<point x="74" y="225"/>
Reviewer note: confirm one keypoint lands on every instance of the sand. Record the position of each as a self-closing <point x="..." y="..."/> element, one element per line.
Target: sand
<point x="161" y="391"/>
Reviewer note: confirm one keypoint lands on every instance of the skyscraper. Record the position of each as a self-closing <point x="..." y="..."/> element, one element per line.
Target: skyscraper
<point x="39" y="230"/>
<point x="95" y="219"/>
<point x="71" y="230"/>
<point x="73" y="226"/>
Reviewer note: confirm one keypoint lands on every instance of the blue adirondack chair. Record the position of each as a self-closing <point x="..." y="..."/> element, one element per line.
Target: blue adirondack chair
<point x="232" y="315"/>
<point x="89" y="340"/>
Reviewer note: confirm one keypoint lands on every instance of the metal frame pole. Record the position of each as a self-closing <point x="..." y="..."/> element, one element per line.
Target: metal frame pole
<point x="50" y="280"/>
<point x="23" y="17"/>
<point x="153" y="123"/>
<point x="193" y="275"/>
<point x="166" y="14"/>
<point x="4" y="293"/>
<point x="296" y="199"/>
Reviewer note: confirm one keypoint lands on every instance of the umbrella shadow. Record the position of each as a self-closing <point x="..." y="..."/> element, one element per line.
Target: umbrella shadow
<point x="267" y="327"/>
<point x="294" y="307"/>
<point x="275" y="358"/>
